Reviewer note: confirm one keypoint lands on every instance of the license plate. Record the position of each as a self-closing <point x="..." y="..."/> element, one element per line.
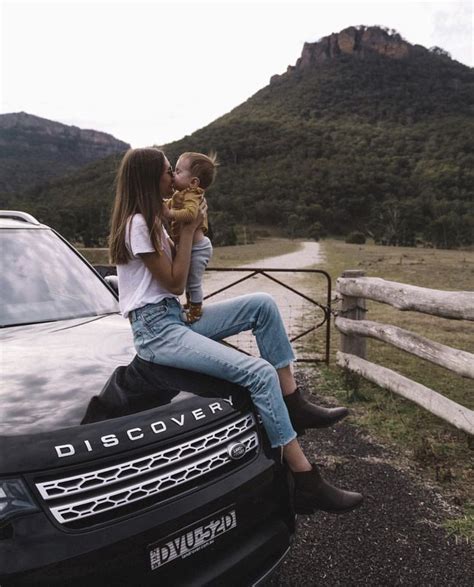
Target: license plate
<point x="192" y="539"/>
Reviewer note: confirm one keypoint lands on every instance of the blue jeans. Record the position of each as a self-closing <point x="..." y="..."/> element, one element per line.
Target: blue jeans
<point x="162" y="337"/>
<point x="200" y="256"/>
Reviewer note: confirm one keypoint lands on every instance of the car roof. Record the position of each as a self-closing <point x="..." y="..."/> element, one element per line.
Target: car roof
<point x="17" y="219"/>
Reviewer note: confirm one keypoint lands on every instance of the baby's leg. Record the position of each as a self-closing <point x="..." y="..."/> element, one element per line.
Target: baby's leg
<point x="200" y="256"/>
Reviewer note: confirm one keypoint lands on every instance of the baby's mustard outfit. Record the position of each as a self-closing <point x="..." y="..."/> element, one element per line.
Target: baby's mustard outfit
<point x="185" y="204"/>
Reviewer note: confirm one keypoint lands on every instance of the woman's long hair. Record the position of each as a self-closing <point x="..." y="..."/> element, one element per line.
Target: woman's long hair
<point x="137" y="192"/>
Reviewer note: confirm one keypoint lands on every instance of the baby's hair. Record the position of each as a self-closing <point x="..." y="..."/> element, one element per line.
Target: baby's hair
<point x="203" y="167"/>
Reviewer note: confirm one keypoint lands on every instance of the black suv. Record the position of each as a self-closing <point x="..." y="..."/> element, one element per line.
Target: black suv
<point x="114" y="470"/>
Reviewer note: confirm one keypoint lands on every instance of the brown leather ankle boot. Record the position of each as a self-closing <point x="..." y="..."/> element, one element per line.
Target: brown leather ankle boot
<point x="313" y="492"/>
<point x="304" y="414"/>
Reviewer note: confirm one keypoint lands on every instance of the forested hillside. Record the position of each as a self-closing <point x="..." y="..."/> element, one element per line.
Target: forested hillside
<point x="34" y="150"/>
<point x="366" y="132"/>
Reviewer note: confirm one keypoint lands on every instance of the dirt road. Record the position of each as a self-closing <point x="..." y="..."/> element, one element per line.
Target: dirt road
<point x="309" y="255"/>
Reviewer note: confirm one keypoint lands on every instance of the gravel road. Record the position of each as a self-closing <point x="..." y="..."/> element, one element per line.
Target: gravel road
<point x="310" y="254"/>
<point x="395" y="538"/>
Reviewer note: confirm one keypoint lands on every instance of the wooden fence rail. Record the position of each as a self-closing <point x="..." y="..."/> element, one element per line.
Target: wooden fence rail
<point x="448" y="304"/>
<point x="355" y="288"/>
<point x="461" y="362"/>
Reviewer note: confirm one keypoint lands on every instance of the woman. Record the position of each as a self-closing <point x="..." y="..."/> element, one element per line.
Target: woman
<point x="150" y="281"/>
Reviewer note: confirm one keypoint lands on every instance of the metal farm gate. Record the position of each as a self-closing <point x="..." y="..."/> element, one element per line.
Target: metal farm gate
<point x="303" y="324"/>
<point x="308" y="325"/>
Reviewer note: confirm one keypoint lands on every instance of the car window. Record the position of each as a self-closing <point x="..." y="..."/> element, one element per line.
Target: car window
<point x="42" y="279"/>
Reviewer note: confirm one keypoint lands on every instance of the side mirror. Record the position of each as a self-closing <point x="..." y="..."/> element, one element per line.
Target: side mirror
<point x="112" y="281"/>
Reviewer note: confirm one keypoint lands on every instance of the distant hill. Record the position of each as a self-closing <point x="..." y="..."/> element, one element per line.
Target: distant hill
<point x="34" y="150"/>
<point x="366" y="132"/>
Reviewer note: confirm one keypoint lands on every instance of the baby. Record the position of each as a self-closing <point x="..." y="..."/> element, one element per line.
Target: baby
<point x="194" y="173"/>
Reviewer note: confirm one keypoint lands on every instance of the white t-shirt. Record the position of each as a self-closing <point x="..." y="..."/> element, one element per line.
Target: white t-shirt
<point x="137" y="286"/>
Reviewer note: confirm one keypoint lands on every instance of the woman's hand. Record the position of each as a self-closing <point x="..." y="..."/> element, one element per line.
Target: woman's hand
<point x="165" y="211"/>
<point x="173" y="275"/>
<point x="202" y="212"/>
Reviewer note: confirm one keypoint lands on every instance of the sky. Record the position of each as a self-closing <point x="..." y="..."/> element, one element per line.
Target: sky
<point x="151" y="71"/>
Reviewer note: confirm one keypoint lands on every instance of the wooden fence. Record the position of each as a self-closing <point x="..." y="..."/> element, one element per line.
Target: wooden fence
<point x="354" y="288"/>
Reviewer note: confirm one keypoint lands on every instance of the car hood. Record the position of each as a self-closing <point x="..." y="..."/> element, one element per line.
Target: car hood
<point x="74" y="391"/>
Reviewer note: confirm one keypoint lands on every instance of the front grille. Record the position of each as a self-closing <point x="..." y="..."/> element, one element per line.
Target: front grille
<point x="88" y="495"/>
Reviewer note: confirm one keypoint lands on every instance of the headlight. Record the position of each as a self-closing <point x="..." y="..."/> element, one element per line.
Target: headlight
<point x="15" y="499"/>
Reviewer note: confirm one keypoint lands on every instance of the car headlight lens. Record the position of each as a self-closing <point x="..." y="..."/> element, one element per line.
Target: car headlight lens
<point x="15" y="499"/>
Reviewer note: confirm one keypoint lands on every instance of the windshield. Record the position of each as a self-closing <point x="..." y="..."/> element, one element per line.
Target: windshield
<point x="42" y="279"/>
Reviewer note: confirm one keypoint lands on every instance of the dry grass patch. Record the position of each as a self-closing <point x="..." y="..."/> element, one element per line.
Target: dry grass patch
<point x="96" y="256"/>
<point x="223" y="256"/>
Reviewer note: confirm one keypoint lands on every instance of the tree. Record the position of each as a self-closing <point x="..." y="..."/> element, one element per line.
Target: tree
<point x="439" y="51"/>
<point x="223" y="229"/>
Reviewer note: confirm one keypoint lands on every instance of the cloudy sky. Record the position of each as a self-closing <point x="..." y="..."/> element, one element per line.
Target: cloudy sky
<point x="150" y="72"/>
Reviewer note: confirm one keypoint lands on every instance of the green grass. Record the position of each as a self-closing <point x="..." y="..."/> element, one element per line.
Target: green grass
<point x="462" y="527"/>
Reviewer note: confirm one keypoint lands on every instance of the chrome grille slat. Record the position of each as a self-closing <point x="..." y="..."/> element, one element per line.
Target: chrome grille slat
<point x="89" y="507"/>
<point x="75" y="484"/>
<point x="82" y="496"/>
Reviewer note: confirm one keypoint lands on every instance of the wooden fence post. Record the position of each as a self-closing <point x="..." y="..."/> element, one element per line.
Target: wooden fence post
<point x="355" y="309"/>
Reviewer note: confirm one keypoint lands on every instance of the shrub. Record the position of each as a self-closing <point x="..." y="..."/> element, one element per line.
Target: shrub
<point x="223" y="229"/>
<point x="356" y="238"/>
<point x="316" y="231"/>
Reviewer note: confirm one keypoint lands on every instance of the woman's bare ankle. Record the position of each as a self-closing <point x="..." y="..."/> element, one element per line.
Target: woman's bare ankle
<point x="287" y="380"/>
<point x="295" y="457"/>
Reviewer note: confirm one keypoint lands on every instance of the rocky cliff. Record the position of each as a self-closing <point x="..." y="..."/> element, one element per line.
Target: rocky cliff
<point x="360" y="41"/>
<point x="34" y="149"/>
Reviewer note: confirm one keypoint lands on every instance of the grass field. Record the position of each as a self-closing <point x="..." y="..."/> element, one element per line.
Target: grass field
<point x="242" y="254"/>
<point x="96" y="256"/>
<point x="222" y="256"/>
<point x="440" y="453"/>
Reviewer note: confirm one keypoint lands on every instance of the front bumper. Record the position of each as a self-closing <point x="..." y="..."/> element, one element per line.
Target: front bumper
<point x="40" y="553"/>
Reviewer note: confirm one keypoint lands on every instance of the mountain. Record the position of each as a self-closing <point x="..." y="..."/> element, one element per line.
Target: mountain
<point x="366" y="132"/>
<point x="34" y="150"/>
